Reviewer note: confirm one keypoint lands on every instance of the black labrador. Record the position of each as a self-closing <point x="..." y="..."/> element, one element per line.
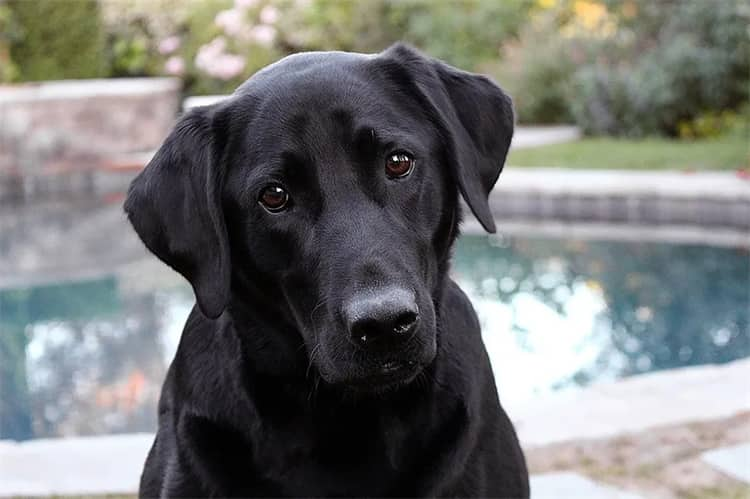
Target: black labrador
<point x="330" y="354"/>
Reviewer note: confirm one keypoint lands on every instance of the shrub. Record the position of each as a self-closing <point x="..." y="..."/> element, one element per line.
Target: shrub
<point x="214" y="45"/>
<point x="8" y="33"/>
<point x="464" y="33"/>
<point x="58" y="39"/>
<point x="130" y="50"/>
<point x="536" y="70"/>
<point x="716" y="123"/>
<point x="630" y="68"/>
<point x="697" y="60"/>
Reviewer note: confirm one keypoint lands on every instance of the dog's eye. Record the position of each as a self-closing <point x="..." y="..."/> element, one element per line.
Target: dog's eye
<point x="399" y="165"/>
<point x="274" y="198"/>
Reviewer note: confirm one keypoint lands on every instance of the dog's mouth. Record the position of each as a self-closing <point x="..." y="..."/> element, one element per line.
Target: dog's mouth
<point x="387" y="374"/>
<point x="376" y="369"/>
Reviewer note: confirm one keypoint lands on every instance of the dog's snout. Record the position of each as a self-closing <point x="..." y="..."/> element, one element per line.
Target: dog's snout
<point x="382" y="318"/>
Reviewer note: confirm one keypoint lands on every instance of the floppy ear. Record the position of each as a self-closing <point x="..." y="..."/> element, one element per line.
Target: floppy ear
<point x="174" y="205"/>
<point x="475" y="117"/>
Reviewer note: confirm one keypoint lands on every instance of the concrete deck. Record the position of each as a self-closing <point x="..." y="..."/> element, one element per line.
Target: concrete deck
<point x="112" y="464"/>
<point x="73" y="466"/>
<point x="734" y="461"/>
<point x="656" y="399"/>
<point x="573" y="486"/>
<point x="532" y="136"/>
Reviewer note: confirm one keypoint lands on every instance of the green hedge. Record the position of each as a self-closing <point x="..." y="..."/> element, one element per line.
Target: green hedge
<point x="58" y="39"/>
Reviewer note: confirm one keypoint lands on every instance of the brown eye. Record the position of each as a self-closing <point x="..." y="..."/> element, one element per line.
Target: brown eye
<point x="274" y="198"/>
<point x="398" y="165"/>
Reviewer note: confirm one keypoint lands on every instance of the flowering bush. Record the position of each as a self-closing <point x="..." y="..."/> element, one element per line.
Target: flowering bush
<point x="215" y="44"/>
<point x="215" y="56"/>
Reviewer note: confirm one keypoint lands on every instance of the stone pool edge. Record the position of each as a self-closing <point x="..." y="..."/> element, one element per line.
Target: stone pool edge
<point x="647" y="198"/>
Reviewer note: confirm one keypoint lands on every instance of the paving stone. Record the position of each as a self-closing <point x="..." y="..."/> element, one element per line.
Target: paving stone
<point x="73" y="466"/>
<point x="567" y="485"/>
<point x="734" y="461"/>
<point x="634" y="404"/>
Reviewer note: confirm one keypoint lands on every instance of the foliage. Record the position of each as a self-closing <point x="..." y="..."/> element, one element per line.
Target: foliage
<point x="665" y="66"/>
<point x="536" y="70"/>
<point x="728" y="152"/>
<point x="129" y="50"/>
<point x="630" y="68"/>
<point x="465" y="33"/>
<point x="58" y="39"/>
<point x="243" y="36"/>
<point x="9" y="31"/>
<point x="617" y="67"/>
<point x="716" y="123"/>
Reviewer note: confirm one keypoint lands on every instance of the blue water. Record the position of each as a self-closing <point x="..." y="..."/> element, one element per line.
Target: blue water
<point x="84" y="348"/>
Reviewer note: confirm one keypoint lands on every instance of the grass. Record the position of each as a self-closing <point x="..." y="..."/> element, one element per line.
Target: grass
<point x="729" y="492"/>
<point x="725" y="153"/>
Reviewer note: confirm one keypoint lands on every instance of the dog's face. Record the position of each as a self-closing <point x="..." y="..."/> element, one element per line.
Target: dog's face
<point x="324" y="192"/>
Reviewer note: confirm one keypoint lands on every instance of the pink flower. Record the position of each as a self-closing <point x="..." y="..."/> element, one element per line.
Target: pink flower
<point x="269" y="14"/>
<point x="263" y="35"/>
<point x="169" y="45"/>
<point x="175" y="65"/>
<point x="208" y="52"/>
<point x="212" y="60"/>
<point x="229" y="66"/>
<point x="231" y="21"/>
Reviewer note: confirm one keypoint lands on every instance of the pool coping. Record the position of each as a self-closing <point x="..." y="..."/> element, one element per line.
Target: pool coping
<point x="724" y="237"/>
<point x="610" y="182"/>
<point x="646" y="198"/>
<point x="715" y="200"/>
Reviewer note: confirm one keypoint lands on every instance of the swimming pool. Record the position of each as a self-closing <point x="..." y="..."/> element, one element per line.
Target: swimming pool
<point x="88" y="326"/>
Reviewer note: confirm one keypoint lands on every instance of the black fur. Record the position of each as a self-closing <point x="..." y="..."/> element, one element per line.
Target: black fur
<point x="268" y="395"/>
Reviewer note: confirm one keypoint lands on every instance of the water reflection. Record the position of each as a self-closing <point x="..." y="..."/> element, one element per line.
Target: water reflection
<point x="87" y="326"/>
<point x="580" y="311"/>
<point x="95" y="355"/>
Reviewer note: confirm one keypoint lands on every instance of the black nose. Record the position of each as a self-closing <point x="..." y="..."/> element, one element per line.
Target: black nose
<point x="384" y="317"/>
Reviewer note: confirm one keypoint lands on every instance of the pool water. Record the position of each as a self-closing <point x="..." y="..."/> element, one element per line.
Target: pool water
<point x="84" y="351"/>
<point x="560" y="314"/>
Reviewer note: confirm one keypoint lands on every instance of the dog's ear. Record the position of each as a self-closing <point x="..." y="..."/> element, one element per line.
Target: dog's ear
<point x="475" y="118"/>
<point x="175" y="207"/>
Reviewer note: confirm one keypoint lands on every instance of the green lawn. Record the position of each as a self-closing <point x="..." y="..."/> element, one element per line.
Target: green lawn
<point x="726" y="153"/>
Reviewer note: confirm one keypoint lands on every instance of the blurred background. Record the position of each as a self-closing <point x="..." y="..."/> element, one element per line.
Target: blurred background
<point x="615" y="300"/>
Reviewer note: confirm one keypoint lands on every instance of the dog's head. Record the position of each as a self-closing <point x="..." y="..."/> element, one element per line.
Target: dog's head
<point x="325" y="192"/>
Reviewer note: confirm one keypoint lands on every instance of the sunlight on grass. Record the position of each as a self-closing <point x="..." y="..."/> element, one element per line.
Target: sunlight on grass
<point x="726" y="153"/>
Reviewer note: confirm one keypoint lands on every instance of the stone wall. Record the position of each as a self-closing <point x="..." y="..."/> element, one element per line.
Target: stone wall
<point x="69" y="128"/>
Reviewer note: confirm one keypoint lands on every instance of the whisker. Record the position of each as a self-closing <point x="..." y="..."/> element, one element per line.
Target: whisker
<point x="323" y="301"/>
<point x="313" y="352"/>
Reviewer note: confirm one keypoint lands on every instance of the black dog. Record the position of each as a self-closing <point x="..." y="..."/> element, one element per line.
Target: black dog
<point x="330" y="354"/>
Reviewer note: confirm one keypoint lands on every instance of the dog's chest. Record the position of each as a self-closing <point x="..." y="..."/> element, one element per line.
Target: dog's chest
<point x="341" y="458"/>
